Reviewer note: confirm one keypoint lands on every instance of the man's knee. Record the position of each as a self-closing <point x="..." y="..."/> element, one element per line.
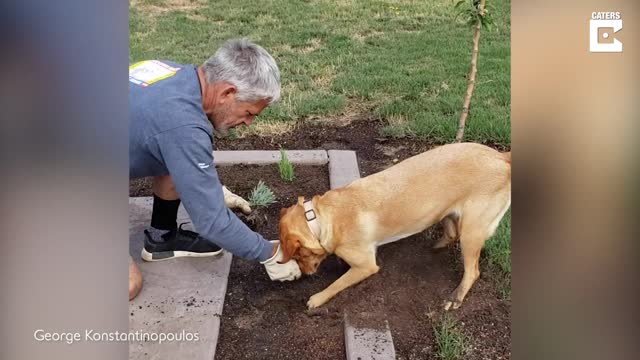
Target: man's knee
<point x="164" y="188"/>
<point x="135" y="279"/>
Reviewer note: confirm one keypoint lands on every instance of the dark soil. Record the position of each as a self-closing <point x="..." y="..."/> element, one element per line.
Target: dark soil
<point x="263" y="319"/>
<point x="241" y="179"/>
<point x="140" y="187"/>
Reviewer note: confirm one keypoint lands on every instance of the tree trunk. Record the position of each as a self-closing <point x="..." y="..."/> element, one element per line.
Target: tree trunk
<point x="472" y="78"/>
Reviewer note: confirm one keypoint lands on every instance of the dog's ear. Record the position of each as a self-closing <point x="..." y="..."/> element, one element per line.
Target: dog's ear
<point x="290" y="244"/>
<point x="283" y="211"/>
<point x="301" y="200"/>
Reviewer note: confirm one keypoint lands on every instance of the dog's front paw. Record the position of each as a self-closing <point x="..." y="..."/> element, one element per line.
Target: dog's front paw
<point x="315" y="301"/>
<point x="452" y="304"/>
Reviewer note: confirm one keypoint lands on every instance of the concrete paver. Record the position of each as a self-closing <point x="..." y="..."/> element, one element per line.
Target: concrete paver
<point x="264" y="157"/>
<point x="182" y="297"/>
<point x="343" y="168"/>
<point x="364" y="343"/>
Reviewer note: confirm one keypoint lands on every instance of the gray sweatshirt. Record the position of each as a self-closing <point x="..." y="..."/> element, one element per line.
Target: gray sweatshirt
<point x="169" y="134"/>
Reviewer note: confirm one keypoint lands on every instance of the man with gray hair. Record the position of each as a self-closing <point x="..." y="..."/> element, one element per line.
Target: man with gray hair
<point x="174" y="111"/>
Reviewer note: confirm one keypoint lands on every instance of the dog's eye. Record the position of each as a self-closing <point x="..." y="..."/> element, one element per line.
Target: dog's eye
<point x="305" y="252"/>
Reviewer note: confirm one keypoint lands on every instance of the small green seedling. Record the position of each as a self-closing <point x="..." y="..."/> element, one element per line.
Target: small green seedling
<point x="261" y="195"/>
<point x="286" y="167"/>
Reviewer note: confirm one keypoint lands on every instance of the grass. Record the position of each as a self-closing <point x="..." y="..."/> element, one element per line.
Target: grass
<point x="261" y="195"/>
<point x="286" y="168"/>
<point x="498" y="255"/>
<point x="400" y="59"/>
<point x="449" y="339"/>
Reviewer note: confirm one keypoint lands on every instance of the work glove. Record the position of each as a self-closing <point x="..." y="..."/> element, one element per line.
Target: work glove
<point x="234" y="201"/>
<point x="282" y="272"/>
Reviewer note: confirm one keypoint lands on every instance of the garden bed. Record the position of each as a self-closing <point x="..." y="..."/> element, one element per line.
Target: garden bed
<point x="265" y="319"/>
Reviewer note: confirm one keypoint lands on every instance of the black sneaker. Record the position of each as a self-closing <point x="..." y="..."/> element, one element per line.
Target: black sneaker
<point x="177" y="243"/>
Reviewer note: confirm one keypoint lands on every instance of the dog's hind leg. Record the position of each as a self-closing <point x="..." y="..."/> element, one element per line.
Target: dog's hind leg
<point x="450" y="235"/>
<point x="478" y="224"/>
<point x="471" y="243"/>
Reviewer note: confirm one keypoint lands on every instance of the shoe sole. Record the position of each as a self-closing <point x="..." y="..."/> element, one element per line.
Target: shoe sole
<point x="166" y="255"/>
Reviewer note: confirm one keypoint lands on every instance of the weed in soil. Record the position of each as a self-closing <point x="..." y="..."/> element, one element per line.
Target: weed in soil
<point x="449" y="339"/>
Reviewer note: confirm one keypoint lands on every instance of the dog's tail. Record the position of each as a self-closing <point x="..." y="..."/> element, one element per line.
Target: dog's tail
<point x="507" y="157"/>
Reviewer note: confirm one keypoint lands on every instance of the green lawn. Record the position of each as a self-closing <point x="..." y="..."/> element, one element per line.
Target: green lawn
<point x="498" y="254"/>
<point x="403" y="61"/>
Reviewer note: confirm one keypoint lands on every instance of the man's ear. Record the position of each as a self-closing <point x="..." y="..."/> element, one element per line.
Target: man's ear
<point x="301" y="200"/>
<point x="290" y="245"/>
<point x="227" y="93"/>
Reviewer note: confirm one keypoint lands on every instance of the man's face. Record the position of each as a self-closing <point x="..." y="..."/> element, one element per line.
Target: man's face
<point x="233" y="113"/>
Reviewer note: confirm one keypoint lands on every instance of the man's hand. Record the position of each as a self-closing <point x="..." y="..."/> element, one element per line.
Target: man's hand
<point x="282" y="272"/>
<point x="234" y="201"/>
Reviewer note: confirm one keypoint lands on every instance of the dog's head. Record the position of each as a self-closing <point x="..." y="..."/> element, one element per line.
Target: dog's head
<point x="297" y="241"/>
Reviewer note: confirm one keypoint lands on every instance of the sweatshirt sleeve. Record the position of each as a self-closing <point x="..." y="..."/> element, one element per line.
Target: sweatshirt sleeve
<point x="187" y="153"/>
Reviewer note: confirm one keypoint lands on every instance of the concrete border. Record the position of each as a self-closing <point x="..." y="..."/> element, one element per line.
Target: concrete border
<point x="343" y="168"/>
<point x="265" y="157"/>
<point x="368" y="344"/>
